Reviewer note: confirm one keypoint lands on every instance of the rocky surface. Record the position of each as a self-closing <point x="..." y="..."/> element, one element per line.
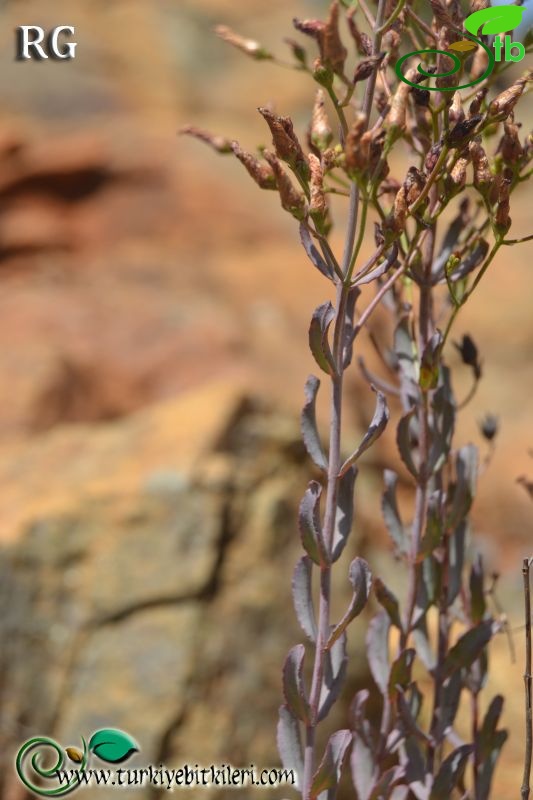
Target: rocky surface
<point x="158" y="603"/>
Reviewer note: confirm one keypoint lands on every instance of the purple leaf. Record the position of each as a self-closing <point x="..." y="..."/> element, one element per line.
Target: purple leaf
<point x="328" y="773"/>
<point x="451" y="696"/>
<point x="361" y="580"/>
<point x="344" y="513"/>
<point x="416" y="776"/>
<point x="391" y="515"/>
<point x="321" y="320"/>
<point x="456" y="561"/>
<point x="386" y="782"/>
<point x="404" y="442"/>
<point x="451" y="772"/>
<point x="478" y="606"/>
<point x="389" y="602"/>
<point x="363" y="767"/>
<point x="400" y="671"/>
<point x="377" y="426"/>
<point x="347" y="351"/>
<point x="336" y="660"/>
<point x="464" y="488"/>
<point x="290" y="744"/>
<point x="377" y="648"/>
<point x="308" y="424"/>
<point x="469" y="647"/>
<point x="293" y="684"/>
<point x="303" y="598"/>
<point x="309" y="524"/>
<point x="313" y="253"/>
<point x="423" y="647"/>
<point x="380" y="270"/>
<point x="491" y="742"/>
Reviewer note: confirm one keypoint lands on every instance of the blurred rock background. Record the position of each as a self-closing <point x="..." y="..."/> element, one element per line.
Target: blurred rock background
<point x="153" y="316"/>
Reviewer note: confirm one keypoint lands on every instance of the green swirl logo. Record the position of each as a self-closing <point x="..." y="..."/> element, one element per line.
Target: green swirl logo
<point x="38" y="774"/>
<point x="486" y="21"/>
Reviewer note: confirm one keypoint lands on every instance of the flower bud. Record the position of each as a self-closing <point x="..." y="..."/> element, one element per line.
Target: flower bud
<point x="292" y="199"/>
<point x="321" y="133"/>
<point x="365" y="68"/>
<point x="261" y="173"/>
<point x="248" y="46"/>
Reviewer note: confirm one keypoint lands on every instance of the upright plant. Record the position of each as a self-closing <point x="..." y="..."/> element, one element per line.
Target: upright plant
<point x="437" y="229"/>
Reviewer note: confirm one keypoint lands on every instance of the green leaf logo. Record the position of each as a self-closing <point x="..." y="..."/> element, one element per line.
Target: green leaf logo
<point x="112" y="746"/>
<point x="494" y="20"/>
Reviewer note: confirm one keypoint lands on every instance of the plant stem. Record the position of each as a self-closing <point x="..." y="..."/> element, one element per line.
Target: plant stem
<point x="527" y="683"/>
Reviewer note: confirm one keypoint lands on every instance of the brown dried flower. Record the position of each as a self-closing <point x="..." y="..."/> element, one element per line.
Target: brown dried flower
<point x="321" y="132"/>
<point x="501" y="106"/>
<point x="292" y="199"/>
<point x="248" y="46"/>
<point x="318" y="198"/>
<point x="262" y="173"/>
<point x="218" y="143"/>
<point x="482" y="175"/>
<point x="285" y="141"/>
<point x="357" y="151"/>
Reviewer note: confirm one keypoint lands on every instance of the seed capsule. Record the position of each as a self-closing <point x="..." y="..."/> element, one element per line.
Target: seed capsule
<point x="262" y="173"/>
<point x="248" y="46"/>
<point x="292" y="199"/>
<point x="321" y="132"/>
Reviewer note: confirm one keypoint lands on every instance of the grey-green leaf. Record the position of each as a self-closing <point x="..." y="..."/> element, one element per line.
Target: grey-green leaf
<point x="391" y="514"/>
<point x="293" y="684"/>
<point x="290" y="744"/>
<point x="376" y="428"/>
<point x="361" y="580"/>
<point x="469" y="647"/>
<point x="318" y="338"/>
<point x="404" y="442"/>
<point x="313" y="253"/>
<point x="309" y="524"/>
<point x="303" y="598"/>
<point x="309" y="428"/>
<point x="329" y="771"/>
<point x="389" y="601"/>
<point x="344" y="512"/>
<point x="377" y="647"/>
<point x="450" y="773"/>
